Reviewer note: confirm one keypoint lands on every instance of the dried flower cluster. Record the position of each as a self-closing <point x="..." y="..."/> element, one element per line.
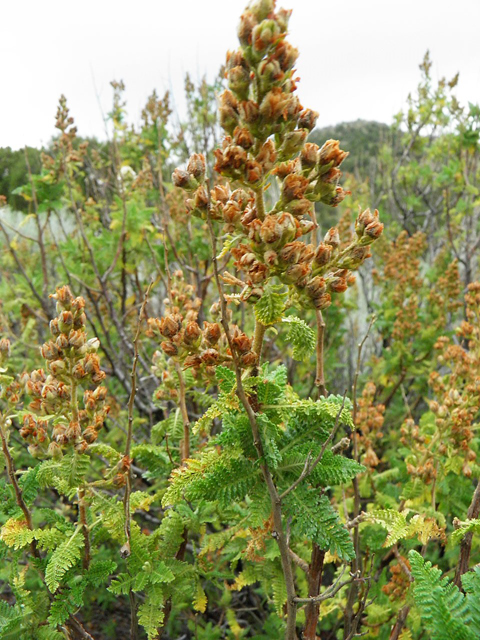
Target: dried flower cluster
<point x="457" y="398"/>
<point x="71" y="363"/>
<point x="370" y="418"/>
<point x="266" y="132"/>
<point x="196" y="348"/>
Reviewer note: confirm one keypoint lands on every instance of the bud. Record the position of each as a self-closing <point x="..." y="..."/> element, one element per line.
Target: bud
<point x="316" y="287"/>
<point x="286" y="54"/>
<point x="243" y="137"/>
<point x="119" y="480"/>
<point x="332" y="237"/>
<point x="211" y="332"/>
<point x="239" y="81"/>
<point x="267" y="155"/>
<point x="262" y="9"/>
<point x="364" y="218"/>
<point x="293" y="142"/>
<point x="220" y="193"/>
<point x="4" y="349"/>
<point x="307" y="119"/>
<point x="309" y="155"/>
<point x="170" y="325"/>
<point x="49" y="351"/>
<point x="253" y="172"/>
<point x="338" y="285"/>
<point x="54" y="329"/>
<point x="249" y="111"/>
<point x="90" y="435"/>
<point x="183" y="180"/>
<point x="192" y="333"/>
<point x="331" y="153"/>
<point x="62" y="341"/>
<point x="196" y="166"/>
<point x="227" y="111"/>
<point x="257" y="273"/>
<point x="242" y="343"/>
<point x="294" y="187"/>
<point x="296" y="274"/>
<point x="54" y="450"/>
<point x="169" y="348"/>
<point x="210" y="356"/>
<point x="269" y="73"/>
<point x="249" y="359"/>
<point x="76" y="339"/>
<point x="291" y="252"/>
<point x="247" y="22"/>
<point x="65" y="321"/>
<point x="93" y="345"/>
<point x="64" y="297"/>
<point x="232" y="212"/>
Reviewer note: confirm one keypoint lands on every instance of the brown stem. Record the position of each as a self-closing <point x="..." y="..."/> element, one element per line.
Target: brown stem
<point x="357" y="561"/>
<point x="183" y="410"/>
<point x="312" y="610"/>
<point x="278" y="532"/>
<point x="41" y="243"/>
<point x="466" y="544"/>
<point x="82" y="517"/>
<point x="126" y="549"/>
<point x="260" y="204"/>
<point x="258" y="336"/>
<point x="320" y="373"/>
<point x="400" y="622"/>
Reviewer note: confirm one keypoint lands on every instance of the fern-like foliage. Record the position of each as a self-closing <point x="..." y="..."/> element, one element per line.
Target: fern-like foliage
<point x="301" y="337"/>
<point x="446" y="612"/>
<point x="62" y="559"/>
<point x="269" y="309"/>
<point x="399" y="527"/>
<point x="314" y="517"/>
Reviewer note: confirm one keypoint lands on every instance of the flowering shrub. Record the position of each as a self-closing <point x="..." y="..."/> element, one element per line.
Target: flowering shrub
<point x="182" y="456"/>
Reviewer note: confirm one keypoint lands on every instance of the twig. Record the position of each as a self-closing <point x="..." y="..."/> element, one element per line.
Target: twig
<point x="320" y="373"/>
<point x="126" y="549"/>
<point x="466" y="544"/>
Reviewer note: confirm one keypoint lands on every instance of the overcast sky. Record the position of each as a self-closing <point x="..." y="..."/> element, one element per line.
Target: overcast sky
<point x="358" y="58"/>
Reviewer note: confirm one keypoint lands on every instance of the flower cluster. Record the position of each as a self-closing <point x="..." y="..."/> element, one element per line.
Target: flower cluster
<point x="71" y="363"/>
<point x="196" y="348"/>
<point x="370" y="418"/>
<point x="457" y="398"/>
<point x="266" y="131"/>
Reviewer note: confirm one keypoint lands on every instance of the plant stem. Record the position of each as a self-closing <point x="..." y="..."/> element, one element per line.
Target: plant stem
<point x="312" y="611"/>
<point x="278" y="532"/>
<point x="320" y="373"/>
<point x="260" y="204"/>
<point x="466" y="544"/>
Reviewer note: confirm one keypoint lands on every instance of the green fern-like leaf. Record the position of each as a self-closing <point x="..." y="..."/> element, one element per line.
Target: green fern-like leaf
<point x="471" y="585"/>
<point x="150" y="612"/>
<point x="301" y="337"/>
<point x="443" y="607"/>
<point x="468" y="526"/>
<point x="62" y="559"/>
<point x="315" y="518"/>
<point x="269" y="309"/>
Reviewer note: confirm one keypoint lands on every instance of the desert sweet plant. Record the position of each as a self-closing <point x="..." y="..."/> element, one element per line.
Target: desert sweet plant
<point x="191" y="484"/>
<point x="275" y="451"/>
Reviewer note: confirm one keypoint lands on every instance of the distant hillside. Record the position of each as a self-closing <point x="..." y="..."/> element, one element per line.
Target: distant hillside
<point x="362" y="138"/>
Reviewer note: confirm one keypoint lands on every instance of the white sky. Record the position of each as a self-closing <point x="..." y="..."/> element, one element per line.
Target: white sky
<point x="358" y="58"/>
